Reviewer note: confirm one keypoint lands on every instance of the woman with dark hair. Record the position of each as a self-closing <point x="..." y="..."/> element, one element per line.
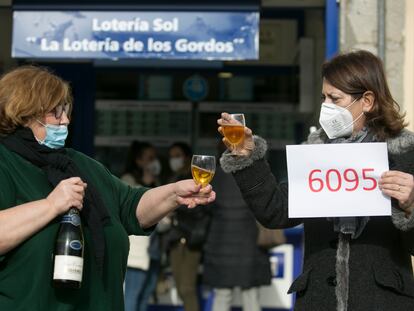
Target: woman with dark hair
<point x="141" y="170"/>
<point x="350" y="263"/>
<point x="180" y="155"/>
<point x="186" y="237"/>
<point x="41" y="180"/>
<point x="142" y="167"/>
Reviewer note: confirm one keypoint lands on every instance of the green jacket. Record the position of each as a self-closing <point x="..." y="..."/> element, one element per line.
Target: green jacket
<point x="26" y="271"/>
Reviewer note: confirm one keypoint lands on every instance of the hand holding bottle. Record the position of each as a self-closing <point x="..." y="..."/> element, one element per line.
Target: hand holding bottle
<point x="245" y="147"/>
<point x="68" y="193"/>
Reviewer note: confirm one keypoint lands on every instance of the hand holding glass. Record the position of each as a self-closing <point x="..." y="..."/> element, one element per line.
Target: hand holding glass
<point x="203" y="168"/>
<point x="233" y="129"/>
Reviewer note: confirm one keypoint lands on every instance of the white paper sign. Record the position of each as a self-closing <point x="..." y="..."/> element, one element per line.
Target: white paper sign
<point x="337" y="180"/>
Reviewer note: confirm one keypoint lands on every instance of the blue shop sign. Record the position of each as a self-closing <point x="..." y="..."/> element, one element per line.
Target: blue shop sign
<point x="116" y="35"/>
<point x="195" y="88"/>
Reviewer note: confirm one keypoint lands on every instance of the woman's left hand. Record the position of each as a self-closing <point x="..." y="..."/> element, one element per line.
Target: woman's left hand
<point x="400" y="186"/>
<point x="190" y="194"/>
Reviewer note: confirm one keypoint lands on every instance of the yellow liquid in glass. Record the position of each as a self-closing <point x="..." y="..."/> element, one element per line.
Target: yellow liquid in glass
<point x="201" y="176"/>
<point x="233" y="133"/>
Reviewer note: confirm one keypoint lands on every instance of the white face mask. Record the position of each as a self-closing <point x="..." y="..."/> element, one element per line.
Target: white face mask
<point x="337" y="121"/>
<point x="176" y="164"/>
<point x="154" y="167"/>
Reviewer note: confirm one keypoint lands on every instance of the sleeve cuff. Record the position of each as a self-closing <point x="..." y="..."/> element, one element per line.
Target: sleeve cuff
<point x="401" y="221"/>
<point x="233" y="163"/>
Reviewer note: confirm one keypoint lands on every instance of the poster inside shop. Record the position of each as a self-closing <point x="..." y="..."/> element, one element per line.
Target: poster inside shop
<point x="136" y="35"/>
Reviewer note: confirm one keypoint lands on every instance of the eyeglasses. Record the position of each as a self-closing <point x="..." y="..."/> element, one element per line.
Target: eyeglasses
<point x="58" y="110"/>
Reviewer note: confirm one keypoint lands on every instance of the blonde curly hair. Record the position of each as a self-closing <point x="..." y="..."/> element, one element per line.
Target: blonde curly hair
<point x="27" y="93"/>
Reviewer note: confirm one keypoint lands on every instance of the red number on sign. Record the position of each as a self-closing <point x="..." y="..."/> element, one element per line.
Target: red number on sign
<point x="328" y="180"/>
<point x="354" y="179"/>
<point x="372" y="179"/>
<point x="318" y="180"/>
<point x="350" y="176"/>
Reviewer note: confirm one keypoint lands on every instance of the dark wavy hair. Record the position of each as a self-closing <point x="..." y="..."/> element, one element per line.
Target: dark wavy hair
<point x="358" y="72"/>
<point x="136" y="150"/>
<point x="185" y="148"/>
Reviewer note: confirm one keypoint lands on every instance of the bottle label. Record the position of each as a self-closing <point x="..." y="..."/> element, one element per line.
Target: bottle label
<point x="68" y="268"/>
<point x="73" y="219"/>
<point x="75" y="245"/>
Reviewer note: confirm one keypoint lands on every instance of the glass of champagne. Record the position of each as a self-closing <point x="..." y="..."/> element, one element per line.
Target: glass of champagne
<point x="203" y="168"/>
<point x="233" y="129"/>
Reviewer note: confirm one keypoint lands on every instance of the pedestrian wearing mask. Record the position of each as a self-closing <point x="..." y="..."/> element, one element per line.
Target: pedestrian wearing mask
<point x="143" y="166"/>
<point x="179" y="161"/>
<point x="141" y="170"/>
<point x="188" y="233"/>
<point x="350" y="263"/>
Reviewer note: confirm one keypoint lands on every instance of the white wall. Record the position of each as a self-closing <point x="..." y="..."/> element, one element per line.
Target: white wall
<point x="409" y="64"/>
<point x="359" y="30"/>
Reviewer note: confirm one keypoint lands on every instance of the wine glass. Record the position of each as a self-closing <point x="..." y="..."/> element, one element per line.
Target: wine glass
<point x="233" y="129"/>
<point x="203" y="168"/>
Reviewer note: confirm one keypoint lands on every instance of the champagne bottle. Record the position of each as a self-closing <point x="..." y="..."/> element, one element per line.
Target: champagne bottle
<point x="68" y="253"/>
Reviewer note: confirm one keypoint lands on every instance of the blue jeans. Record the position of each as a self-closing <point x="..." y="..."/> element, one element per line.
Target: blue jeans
<point x="139" y="286"/>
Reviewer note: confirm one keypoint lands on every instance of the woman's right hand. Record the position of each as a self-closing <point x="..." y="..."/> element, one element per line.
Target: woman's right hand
<point x="243" y="149"/>
<point x="68" y="193"/>
<point x="188" y="193"/>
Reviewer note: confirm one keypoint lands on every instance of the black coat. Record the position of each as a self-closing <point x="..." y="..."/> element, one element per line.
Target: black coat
<point x="380" y="271"/>
<point x="232" y="257"/>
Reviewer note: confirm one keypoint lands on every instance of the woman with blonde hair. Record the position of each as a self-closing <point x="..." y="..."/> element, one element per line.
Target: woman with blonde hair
<point x="41" y="179"/>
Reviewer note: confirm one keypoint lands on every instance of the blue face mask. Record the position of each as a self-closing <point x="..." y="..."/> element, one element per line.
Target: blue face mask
<point x="55" y="135"/>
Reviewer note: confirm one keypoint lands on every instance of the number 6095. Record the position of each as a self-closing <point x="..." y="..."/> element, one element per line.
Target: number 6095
<point x="349" y="179"/>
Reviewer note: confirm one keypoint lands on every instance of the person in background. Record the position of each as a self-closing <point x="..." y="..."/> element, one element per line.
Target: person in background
<point x="141" y="170"/>
<point x="232" y="257"/>
<point x="41" y="180"/>
<point x="188" y="232"/>
<point x="143" y="166"/>
<point x="350" y="263"/>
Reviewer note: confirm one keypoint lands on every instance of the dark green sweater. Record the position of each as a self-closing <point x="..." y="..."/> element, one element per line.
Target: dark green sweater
<point x="26" y="271"/>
